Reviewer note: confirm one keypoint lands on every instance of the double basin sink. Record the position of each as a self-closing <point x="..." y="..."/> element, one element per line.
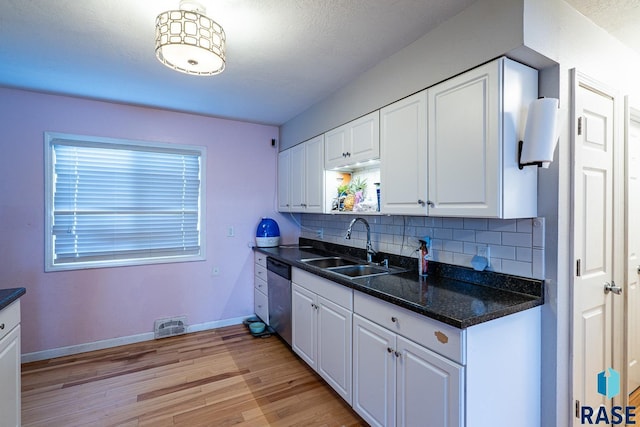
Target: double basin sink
<point x="349" y="268"/>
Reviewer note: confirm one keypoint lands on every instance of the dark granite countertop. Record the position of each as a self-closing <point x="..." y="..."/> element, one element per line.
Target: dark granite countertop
<point x="454" y="295"/>
<point x="7" y="296"/>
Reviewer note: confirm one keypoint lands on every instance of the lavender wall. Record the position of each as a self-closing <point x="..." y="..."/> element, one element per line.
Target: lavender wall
<point x="72" y="308"/>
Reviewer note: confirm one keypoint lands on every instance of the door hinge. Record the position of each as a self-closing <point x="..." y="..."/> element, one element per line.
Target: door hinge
<point x="577" y="409"/>
<point x="578" y="272"/>
<point x="580" y="125"/>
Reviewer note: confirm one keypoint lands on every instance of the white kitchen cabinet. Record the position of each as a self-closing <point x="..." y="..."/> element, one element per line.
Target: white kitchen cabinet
<point x="322" y="328"/>
<point x="260" y="290"/>
<point x="305" y="182"/>
<point x="398" y="382"/>
<point x="475" y="122"/>
<point x="353" y="142"/>
<point x="284" y="176"/>
<point x="403" y="156"/>
<point x="412" y="370"/>
<point x="10" y="390"/>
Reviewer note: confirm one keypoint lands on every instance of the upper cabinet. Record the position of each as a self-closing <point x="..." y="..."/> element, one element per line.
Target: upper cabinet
<point x="403" y="152"/>
<point x="356" y="141"/>
<point x="301" y="177"/>
<point x="475" y="122"/>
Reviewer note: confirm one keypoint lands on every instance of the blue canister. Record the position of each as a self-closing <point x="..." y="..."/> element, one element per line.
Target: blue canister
<point x="268" y="233"/>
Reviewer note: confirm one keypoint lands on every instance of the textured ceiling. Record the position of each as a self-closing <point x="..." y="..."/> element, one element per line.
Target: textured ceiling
<point x="282" y="55"/>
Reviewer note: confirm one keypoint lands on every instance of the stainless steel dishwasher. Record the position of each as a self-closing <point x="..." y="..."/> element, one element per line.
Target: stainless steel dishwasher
<point x="279" y="294"/>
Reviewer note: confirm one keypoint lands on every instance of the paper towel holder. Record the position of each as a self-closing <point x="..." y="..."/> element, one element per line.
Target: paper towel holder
<point x="522" y="165"/>
<point x="541" y="133"/>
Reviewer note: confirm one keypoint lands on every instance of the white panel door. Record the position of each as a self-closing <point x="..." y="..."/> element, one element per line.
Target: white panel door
<point x="365" y="138"/>
<point x="303" y="324"/>
<point x="430" y="388"/>
<point x="10" y="379"/>
<point x="464" y="143"/>
<point x="403" y="153"/>
<point x="374" y="372"/>
<point x="334" y="346"/>
<point x="314" y="175"/>
<point x="633" y="248"/>
<point x="335" y="147"/>
<point x="593" y="241"/>
<point x="284" y="178"/>
<point x="297" y="178"/>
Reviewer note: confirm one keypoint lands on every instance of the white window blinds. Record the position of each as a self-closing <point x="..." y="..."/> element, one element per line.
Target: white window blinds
<point x="122" y="203"/>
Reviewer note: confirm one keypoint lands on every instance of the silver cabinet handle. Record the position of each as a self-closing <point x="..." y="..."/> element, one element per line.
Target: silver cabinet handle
<point x="421" y="202"/>
<point x="397" y="354"/>
<point x="611" y="287"/>
<point x="394" y="319"/>
<point x="389" y="350"/>
<point x="1" y="326"/>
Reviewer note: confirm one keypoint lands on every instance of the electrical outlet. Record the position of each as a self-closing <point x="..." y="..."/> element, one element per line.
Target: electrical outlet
<point x="484" y="251"/>
<point x="231" y="232"/>
<point x="320" y="233"/>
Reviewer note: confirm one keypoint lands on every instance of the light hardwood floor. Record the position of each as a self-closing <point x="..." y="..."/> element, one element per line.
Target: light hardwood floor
<point x="213" y="378"/>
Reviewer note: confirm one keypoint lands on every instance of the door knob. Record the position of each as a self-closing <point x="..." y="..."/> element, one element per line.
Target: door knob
<point x="611" y="287"/>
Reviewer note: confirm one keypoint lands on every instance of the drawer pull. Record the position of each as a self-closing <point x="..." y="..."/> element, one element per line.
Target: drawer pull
<point x="1" y="326"/>
<point x="441" y="337"/>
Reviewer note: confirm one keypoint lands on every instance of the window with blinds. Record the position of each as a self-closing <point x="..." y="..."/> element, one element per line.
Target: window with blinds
<point x="115" y="202"/>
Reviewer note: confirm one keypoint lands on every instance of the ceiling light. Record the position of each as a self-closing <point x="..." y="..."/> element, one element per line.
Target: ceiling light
<point x="190" y="42"/>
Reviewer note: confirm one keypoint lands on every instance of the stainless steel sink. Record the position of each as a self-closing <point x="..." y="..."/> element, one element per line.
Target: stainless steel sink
<point x="360" y="270"/>
<point x="328" y="262"/>
<point x="349" y="268"/>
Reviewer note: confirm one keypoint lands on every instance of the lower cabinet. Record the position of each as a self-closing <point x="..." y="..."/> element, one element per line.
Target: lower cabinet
<point x="10" y="365"/>
<point x="322" y="323"/>
<point x="397" y="382"/>
<point x="260" y="290"/>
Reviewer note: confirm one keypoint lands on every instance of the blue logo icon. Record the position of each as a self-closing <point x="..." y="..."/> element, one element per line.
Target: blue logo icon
<point x="609" y="383"/>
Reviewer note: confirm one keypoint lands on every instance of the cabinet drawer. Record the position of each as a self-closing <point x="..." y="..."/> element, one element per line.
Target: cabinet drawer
<point x="332" y="291"/>
<point x="260" y="272"/>
<point x="261" y="305"/>
<point x="436" y="336"/>
<point x="260" y="259"/>
<point x="9" y="318"/>
<point x="261" y="285"/>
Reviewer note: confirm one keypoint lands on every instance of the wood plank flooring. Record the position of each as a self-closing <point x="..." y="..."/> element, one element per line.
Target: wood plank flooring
<point x="214" y="378"/>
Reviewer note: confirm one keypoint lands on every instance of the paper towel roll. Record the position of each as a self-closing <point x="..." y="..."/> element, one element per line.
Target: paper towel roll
<point x="541" y="132"/>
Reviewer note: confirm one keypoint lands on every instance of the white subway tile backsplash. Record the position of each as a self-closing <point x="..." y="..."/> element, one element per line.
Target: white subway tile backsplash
<point x="489" y="237"/>
<point x="475" y="223"/>
<point x="453" y="222"/>
<point x="502" y="225"/>
<point x="517" y="239"/>
<point x="517" y="246"/>
<point x="464" y="235"/>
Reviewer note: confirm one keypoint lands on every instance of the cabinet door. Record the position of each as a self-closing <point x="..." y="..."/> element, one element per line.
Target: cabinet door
<point x="429" y="388"/>
<point x="297" y="178"/>
<point x="334" y="346"/>
<point x="261" y="305"/>
<point x="334" y="148"/>
<point x="465" y="172"/>
<point x="364" y="138"/>
<point x="303" y="324"/>
<point x="314" y="175"/>
<point x="403" y="152"/>
<point x="374" y="374"/>
<point x="284" y="178"/>
<point x="10" y="378"/>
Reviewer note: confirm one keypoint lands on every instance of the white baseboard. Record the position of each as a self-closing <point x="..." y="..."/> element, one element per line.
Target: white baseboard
<point x="114" y="342"/>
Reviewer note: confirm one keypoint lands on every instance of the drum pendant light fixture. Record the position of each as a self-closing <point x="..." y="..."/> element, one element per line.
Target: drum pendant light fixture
<point x="190" y="42"/>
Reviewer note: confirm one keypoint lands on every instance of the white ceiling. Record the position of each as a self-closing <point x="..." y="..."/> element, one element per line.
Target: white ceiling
<point x="282" y="55"/>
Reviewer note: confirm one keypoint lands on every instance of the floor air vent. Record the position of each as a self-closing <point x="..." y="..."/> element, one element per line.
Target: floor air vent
<point x="169" y="327"/>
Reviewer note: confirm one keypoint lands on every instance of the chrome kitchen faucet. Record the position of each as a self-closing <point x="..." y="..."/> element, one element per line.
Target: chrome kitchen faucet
<point x="370" y="250"/>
